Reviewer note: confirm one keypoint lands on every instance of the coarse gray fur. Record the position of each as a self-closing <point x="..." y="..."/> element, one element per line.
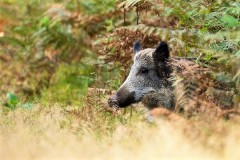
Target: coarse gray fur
<point x="148" y="80"/>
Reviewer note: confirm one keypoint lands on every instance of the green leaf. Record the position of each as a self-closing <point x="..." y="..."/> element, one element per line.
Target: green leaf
<point x="12" y="98"/>
<point x="45" y="21"/>
<point x="208" y="56"/>
<point x="12" y="41"/>
<point x="204" y="30"/>
<point x="191" y="13"/>
<point x="229" y="21"/>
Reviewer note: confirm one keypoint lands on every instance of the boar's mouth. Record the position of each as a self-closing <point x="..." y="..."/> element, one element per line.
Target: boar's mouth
<point x="122" y="100"/>
<point x="113" y="103"/>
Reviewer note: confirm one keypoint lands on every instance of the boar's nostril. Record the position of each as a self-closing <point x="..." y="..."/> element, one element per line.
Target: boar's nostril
<point x="122" y="98"/>
<point x="112" y="102"/>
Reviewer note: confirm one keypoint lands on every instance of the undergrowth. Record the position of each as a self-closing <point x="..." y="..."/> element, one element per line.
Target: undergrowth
<point x="61" y="60"/>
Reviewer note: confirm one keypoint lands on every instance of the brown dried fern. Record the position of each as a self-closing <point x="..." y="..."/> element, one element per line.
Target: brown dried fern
<point x="196" y="89"/>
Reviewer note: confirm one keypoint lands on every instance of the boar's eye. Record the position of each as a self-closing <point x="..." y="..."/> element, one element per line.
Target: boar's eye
<point x="143" y="70"/>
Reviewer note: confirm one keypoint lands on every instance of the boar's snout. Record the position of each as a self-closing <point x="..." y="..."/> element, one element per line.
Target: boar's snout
<point x="112" y="101"/>
<point x="122" y="98"/>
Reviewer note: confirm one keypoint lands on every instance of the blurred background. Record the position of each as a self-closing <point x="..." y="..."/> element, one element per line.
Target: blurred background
<point x="65" y="57"/>
<point x="55" y="50"/>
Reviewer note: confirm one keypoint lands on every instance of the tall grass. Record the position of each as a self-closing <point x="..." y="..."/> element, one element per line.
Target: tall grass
<point x="61" y="60"/>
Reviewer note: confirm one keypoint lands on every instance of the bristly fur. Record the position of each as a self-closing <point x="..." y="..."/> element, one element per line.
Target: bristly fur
<point x="148" y="80"/>
<point x="173" y="83"/>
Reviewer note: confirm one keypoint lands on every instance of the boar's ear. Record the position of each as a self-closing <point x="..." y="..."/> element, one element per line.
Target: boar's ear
<point x="136" y="47"/>
<point x="161" y="53"/>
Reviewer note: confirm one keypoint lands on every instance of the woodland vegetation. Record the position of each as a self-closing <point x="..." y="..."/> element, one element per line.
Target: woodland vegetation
<point x="61" y="59"/>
